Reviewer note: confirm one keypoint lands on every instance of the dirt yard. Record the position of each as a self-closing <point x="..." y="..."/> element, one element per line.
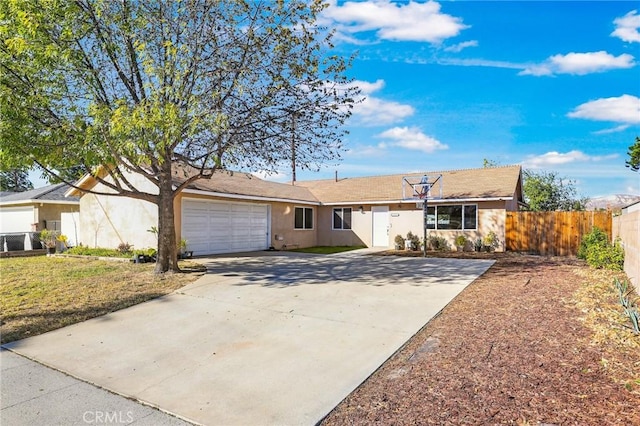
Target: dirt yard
<point x="535" y="340"/>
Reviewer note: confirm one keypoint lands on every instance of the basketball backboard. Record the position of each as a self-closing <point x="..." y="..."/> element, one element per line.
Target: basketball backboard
<point x="420" y="188"/>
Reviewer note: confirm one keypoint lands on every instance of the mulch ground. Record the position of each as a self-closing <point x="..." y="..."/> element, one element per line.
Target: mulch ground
<point x="517" y="346"/>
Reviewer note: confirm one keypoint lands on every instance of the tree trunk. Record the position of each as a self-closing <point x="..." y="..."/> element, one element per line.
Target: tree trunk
<point x="167" y="256"/>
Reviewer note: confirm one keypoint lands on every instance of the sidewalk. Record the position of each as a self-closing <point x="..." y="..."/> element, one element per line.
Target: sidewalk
<point x="33" y="394"/>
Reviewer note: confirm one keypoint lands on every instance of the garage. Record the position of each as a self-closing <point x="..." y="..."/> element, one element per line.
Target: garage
<point x="16" y="219"/>
<point x="212" y="227"/>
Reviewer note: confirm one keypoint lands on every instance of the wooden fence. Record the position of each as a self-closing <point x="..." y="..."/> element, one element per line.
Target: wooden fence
<point x="552" y="233"/>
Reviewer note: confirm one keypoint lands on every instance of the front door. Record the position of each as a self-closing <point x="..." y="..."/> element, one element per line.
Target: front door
<point x="380" y="226"/>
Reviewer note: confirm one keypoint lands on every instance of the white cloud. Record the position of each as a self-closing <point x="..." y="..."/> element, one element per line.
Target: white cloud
<point x="580" y="64"/>
<point x="412" y="138"/>
<point x="616" y="129"/>
<point x="480" y="63"/>
<point x="375" y="111"/>
<point x="275" y="176"/>
<point x="554" y="158"/>
<point x="410" y="21"/>
<point x="623" y="109"/>
<point x="460" y="46"/>
<point x="627" y="27"/>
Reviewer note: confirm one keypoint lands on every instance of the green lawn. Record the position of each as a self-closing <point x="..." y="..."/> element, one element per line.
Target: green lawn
<point x="39" y="294"/>
<point x="327" y="249"/>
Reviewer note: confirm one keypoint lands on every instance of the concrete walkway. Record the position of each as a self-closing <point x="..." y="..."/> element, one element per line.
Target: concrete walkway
<point x="32" y="394"/>
<point x="260" y="339"/>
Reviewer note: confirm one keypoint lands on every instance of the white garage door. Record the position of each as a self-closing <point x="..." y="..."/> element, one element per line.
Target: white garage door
<point x="16" y="219"/>
<point x="220" y="227"/>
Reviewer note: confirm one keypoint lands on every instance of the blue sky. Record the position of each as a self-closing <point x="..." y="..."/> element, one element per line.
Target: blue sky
<point x="549" y="85"/>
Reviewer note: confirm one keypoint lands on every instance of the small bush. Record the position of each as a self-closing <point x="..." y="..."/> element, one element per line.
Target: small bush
<point x="125" y="248"/>
<point x="438" y="243"/>
<point x="102" y="252"/>
<point x="599" y="253"/>
<point x="415" y="240"/>
<point x="596" y="237"/>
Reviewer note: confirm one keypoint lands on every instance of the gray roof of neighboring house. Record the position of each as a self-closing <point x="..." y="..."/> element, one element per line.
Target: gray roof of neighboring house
<point x="50" y="193"/>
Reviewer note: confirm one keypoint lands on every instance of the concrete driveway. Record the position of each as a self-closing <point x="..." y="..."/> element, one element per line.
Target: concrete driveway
<point x="261" y="339"/>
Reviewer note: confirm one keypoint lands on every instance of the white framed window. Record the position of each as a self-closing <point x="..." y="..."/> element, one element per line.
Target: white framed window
<point x="303" y="218"/>
<point x="342" y="218"/>
<point x="459" y="217"/>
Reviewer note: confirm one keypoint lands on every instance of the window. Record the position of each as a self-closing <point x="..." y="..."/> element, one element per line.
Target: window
<point x="342" y="218"/>
<point x="470" y="217"/>
<point x="452" y="217"/>
<point x="303" y="218"/>
<point x="449" y="217"/>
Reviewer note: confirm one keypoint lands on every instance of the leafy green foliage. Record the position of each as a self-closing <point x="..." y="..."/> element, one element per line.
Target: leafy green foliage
<point x="634" y="156"/>
<point x="140" y="86"/>
<point x="546" y="191"/>
<point x="124" y="251"/>
<point x="491" y="240"/>
<point x="97" y="251"/>
<point x="630" y="307"/>
<point x="15" y="180"/>
<point x="599" y="253"/>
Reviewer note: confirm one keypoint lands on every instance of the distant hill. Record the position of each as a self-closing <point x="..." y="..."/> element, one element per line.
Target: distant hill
<point x="612" y="202"/>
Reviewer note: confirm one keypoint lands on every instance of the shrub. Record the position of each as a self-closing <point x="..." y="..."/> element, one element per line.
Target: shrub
<point x="88" y="251"/>
<point x="599" y="253"/>
<point x="596" y="237"/>
<point x="415" y="240"/>
<point x="125" y="248"/>
<point x="491" y="240"/>
<point x="438" y="243"/>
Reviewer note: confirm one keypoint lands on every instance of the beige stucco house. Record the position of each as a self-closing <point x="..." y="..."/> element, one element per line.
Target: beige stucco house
<point x="235" y="212"/>
<point x="24" y="213"/>
<point x="36" y="209"/>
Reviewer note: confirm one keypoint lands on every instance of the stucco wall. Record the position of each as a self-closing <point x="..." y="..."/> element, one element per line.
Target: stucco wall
<point x="282" y="227"/>
<point x="359" y="234"/>
<point x="53" y="212"/>
<point x="108" y="221"/>
<point x="627" y="228"/>
<point x="491" y="217"/>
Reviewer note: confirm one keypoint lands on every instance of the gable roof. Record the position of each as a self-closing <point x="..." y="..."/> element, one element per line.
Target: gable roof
<point x="495" y="183"/>
<point x="51" y="194"/>
<point x="245" y="185"/>
<point x="485" y="184"/>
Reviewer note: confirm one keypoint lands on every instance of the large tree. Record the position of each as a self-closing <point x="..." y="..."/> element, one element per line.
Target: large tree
<point x="139" y="86"/>
<point x="634" y="156"/>
<point x="15" y="180"/>
<point x="547" y="191"/>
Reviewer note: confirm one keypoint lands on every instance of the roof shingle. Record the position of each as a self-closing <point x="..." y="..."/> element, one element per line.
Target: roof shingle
<point x="46" y="193"/>
<point x="495" y="182"/>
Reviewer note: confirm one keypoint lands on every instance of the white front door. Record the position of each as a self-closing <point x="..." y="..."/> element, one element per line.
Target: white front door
<point x="380" y="226"/>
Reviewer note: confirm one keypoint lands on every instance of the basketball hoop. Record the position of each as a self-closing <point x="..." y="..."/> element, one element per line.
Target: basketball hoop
<point x="421" y="189"/>
<point x="418" y="188"/>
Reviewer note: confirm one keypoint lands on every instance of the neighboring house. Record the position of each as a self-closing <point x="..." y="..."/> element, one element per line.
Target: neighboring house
<point x="236" y="211"/>
<point x="37" y="209"/>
